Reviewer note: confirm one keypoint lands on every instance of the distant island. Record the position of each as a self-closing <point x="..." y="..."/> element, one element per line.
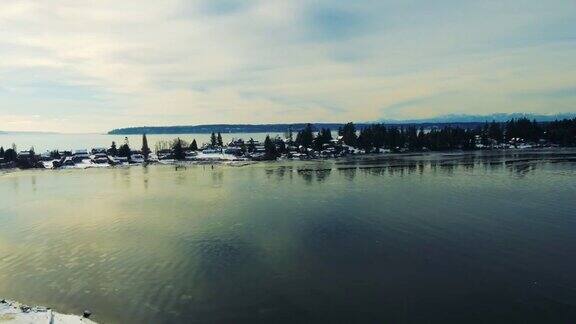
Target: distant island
<point x="265" y="128"/>
<point x="221" y="128"/>
<point x="464" y="121"/>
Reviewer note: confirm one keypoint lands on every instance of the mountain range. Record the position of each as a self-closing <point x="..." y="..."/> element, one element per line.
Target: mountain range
<point x="464" y="118"/>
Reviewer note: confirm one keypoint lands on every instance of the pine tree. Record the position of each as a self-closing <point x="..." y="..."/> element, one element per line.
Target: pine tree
<point x="124" y="151"/>
<point x="251" y="145"/>
<point x="178" y="150"/>
<point x="270" y="148"/>
<point x="113" y="151"/>
<point x="145" y="149"/>
<point x="289" y="135"/>
<point x="213" y="140"/>
<point x="495" y="132"/>
<point x="10" y="155"/>
<point x="305" y="137"/>
<point x="1" y="151"/>
<point x="219" y="140"/>
<point x="194" y="145"/>
<point x="55" y="155"/>
<point x="323" y="137"/>
<point x="348" y="133"/>
<point x="281" y="145"/>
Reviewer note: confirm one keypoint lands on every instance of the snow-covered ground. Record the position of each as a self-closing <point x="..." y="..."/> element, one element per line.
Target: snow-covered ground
<point x="15" y="313"/>
<point x="216" y="156"/>
<point x="200" y="157"/>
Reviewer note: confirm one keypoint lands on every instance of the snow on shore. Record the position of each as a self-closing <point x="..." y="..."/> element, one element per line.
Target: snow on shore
<point x="15" y="313"/>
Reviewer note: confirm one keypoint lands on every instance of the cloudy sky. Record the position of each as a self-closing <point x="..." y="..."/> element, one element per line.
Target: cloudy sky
<point x="89" y="66"/>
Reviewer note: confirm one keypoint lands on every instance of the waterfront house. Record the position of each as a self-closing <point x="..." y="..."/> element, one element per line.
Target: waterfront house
<point x="137" y="158"/>
<point x="212" y="151"/>
<point x="68" y="161"/>
<point x="234" y="150"/>
<point x="165" y="154"/>
<point x="80" y="155"/>
<point x="190" y="155"/>
<point x="100" y="158"/>
<point x="97" y="150"/>
<point x="27" y="160"/>
<point x="46" y="156"/>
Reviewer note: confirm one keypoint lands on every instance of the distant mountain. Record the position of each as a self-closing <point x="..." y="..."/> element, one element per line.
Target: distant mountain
<point x="27" y="133"/>
<point x="463" y="118"/>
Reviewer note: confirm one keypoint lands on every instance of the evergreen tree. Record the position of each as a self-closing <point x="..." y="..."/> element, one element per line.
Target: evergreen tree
<point x="213" y="140"/>
<point x="178" y="150"/>
<point x="323" y="137"/>
<point x="289" y="135"/>
<point x="348" y="133"/>
<point x="251" y="145"/>
<point x="10" y="155"/>
<point x="495" y="132"/>
<point x="55" y="155"/>
<point x="562" y="132"/>
<point x="1" y="151"/>
<point x="281" y="145"/>
<point x="124" y="151"/>
<point x="219" y="140"/>
<point x="422" y="138"/>
<point x="364" y="141"/>
<point x="412" y="138"/>
<point x="145" y="149"/>
<point x="270" y="148"/>
<point x="305" y="137"/>
<point x="113" y="151"/>
<point x="194" y="146"/>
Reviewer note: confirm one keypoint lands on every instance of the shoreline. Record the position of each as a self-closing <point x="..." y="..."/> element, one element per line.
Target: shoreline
<point x="567" y="154"/>
<point x="15" y="312"/>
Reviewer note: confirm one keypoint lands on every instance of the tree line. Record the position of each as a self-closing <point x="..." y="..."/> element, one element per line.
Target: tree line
<point x="372" y="137"/>
<point x="412" y="137"/>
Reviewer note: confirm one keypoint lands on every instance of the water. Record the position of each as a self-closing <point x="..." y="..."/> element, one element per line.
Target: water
<point x="439" y="238"/>
<point x="48" y="142"/>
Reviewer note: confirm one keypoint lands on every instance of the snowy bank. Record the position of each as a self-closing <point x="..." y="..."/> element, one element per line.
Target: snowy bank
<point x="16" y="313"/>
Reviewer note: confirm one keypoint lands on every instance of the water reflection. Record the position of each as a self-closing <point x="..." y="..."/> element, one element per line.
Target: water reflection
<point x="519" y="163"/>
<point x="217" y="175"/>
<point x="394" y="239"/>
<point x="348" y="172"/>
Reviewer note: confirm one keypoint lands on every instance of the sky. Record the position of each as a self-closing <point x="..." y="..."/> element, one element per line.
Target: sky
<point x="91" y="66"/>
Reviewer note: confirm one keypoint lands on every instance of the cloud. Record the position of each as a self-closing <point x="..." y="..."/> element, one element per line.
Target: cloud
<point x="112" y="64"/>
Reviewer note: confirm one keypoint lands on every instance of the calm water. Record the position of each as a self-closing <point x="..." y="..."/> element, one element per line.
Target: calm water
<point x="44" y="142"/>
<point x="433" y="239"/>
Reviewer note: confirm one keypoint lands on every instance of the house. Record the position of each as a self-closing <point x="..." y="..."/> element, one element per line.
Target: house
<point x="137" y="158"/>
<point x="97" y="150"/>
<point x="25" y="154"/>
<point x="46" y="156"/>
<point x="165" y="154"/>
<point x="27" y="160"/>
<point x="212" y="151"/>
<point x="190" y="155"/>
<point x="100" y="158"/>
<point x="234" y="150"/>
<point x="236" y="143"/>
<point x="80" y="155"/>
